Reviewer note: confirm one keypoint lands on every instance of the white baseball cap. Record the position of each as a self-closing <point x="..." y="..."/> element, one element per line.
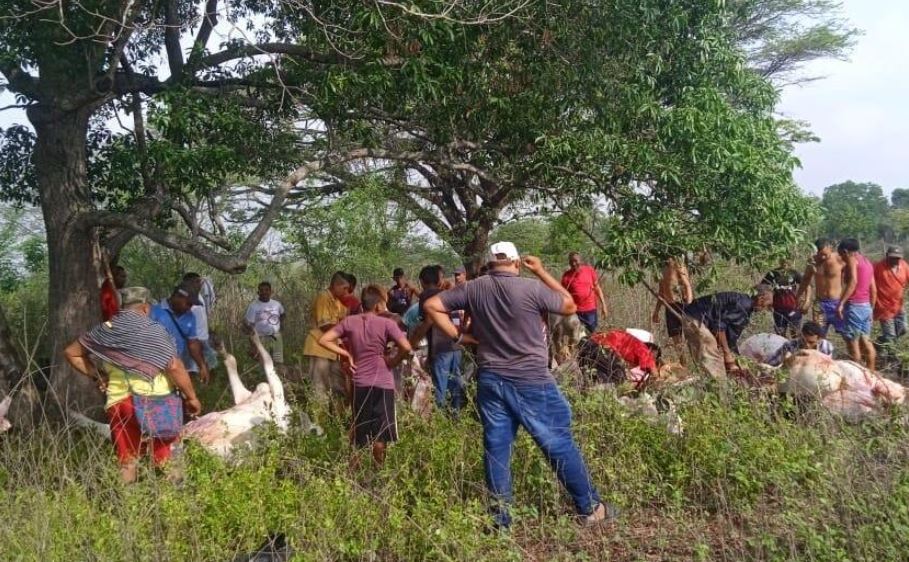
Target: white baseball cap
<point x="641" y="335"/>
<point x="502" y="251"/>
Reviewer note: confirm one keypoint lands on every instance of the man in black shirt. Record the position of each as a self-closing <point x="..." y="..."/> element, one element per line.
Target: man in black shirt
<point x="714" y="323"/>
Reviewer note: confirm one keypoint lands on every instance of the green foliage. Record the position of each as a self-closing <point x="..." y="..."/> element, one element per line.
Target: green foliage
<point x="781" y="36"/>
<point x="361" y="232"/>
<point x="900" y="198"/>
<point x="752" y="479"/>
<point x="854" y="210"/>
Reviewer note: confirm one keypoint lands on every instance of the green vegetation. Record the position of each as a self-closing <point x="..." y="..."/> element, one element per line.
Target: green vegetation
<point x="753" y="478"/>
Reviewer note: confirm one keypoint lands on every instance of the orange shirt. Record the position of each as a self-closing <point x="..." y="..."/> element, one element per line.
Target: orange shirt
<point x="890" y="287"/>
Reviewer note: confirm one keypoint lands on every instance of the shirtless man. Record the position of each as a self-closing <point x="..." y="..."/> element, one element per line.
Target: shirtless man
<point x="675" y="288"/>
<point x="826" y="270"/>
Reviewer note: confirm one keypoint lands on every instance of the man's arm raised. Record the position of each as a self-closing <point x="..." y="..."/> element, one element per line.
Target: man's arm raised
<point x="535" y="266"/>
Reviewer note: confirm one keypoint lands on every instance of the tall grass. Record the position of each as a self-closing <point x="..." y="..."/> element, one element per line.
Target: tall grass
<point x="754" y="477"/>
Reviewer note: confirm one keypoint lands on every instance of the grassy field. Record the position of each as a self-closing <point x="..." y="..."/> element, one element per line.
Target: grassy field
<point x="754" y="477"/>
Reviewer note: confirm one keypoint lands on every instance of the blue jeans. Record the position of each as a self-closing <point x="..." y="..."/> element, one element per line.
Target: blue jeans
<point x="546" y="416"/>
<point x="589" y="320"/>
<point x="893" y="328"/>
<point x="446" y="377"/>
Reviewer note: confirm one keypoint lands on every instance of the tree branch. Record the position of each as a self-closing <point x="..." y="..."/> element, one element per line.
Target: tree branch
<point x="251" y="50"/>
<point x="209" y="21"/>
<point x="172" y="40"/>
<point x="19" y="81"/>
<point x="232" y="262"/>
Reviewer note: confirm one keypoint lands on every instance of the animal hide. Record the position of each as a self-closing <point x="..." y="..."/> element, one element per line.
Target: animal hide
<point x="761" y="347"/>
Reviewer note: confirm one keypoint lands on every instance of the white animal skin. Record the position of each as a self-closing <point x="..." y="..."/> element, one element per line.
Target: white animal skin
<point x="4" y="409"/>
<point x="220" y="432"/>
<point x="761" y="347"/>
<point x="811" y="374"/>
<point x="845" y="388"/>
<point x="565" y="333"/>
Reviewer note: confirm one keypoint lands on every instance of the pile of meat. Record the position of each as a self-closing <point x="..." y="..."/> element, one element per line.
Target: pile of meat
<point x="845" y="388"/>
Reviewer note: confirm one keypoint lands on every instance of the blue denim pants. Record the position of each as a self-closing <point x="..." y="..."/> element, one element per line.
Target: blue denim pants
<point x="446" y="377"/>
<point x="589" y="320"/>
<point x="545" y="414"/>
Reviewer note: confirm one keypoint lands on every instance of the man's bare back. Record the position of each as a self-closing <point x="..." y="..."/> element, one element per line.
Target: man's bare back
<point x="675" y="285"/>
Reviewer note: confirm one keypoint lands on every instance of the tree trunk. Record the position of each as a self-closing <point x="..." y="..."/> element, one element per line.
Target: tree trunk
<point x="476" y="243"/>
<point x="73" y="300"/>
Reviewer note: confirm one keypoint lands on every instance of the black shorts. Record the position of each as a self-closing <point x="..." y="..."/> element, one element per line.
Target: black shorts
<point x="673" y="322"/>
<point x="374" y="415"/>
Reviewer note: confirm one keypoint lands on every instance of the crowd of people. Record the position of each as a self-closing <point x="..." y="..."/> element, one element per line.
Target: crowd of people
<point x="357" y="341"/>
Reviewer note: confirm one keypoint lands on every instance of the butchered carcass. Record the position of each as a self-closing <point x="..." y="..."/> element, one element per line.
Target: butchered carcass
<point x="220" y="432"/>
<point x="565" y="333"/>
<point x="761" y="347"/>
<point x="810" y="374"/>
<point x="845" y="388"/>
<point x="859" y="378"/>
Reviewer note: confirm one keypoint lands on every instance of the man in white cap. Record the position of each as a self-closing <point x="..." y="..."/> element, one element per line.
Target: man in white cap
<point x="514" y="385"/>
<point x="891" y="275"/>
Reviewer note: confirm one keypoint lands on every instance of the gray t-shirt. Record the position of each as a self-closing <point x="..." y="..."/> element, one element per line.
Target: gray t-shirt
<point x="508" y="313"/>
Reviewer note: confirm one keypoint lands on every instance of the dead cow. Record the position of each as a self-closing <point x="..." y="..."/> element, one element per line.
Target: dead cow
<point x="220" y="432"/>
<point x="565" y="333"/>
<point x="845" y="388"/>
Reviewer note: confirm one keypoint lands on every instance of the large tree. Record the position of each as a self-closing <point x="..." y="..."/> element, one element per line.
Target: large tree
<point x="854" y="210"/>
<point x="462" y="150"/>
<point x="201" y="110"/>
<point x="589" y="105"/>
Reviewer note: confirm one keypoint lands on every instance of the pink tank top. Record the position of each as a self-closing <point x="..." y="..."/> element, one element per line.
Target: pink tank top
<point x="864" y="273"/>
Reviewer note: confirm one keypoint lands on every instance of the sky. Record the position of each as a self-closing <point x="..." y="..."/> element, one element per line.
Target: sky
<point x="860" y="109"/>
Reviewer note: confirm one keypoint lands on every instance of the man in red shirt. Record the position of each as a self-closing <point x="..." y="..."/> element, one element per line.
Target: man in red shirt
<point x="583" y="283"/>
<point x="891" y="275"/>
<point x="114" y="280"/>
<point x="612" y="353"/>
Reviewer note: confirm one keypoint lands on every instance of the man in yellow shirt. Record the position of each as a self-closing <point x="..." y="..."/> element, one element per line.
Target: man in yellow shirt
<point x="324" y="367"/>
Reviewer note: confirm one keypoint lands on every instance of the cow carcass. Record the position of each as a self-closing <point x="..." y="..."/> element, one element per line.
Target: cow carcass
<point x="219" y="432"/>
<point x="762" y="347"/>
<point x="565" y="333"/>
<point x="845" y="388"/>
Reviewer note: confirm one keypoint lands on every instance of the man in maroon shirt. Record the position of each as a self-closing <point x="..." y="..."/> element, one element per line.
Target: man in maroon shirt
<point x="583" y="283"/>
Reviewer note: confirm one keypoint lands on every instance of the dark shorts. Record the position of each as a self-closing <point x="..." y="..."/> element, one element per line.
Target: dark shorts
<point x="673" y="322"/>
<point x="828" y="309"/>
<point x="785" y="319"/>
<point x="374" y="415"/>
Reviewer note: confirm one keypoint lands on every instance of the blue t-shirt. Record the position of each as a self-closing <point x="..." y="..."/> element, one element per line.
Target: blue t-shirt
<point x="182" y="330"/>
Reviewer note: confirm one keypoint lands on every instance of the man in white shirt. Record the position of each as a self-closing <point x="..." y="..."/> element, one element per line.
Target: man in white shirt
<point x="265" y="316"/>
